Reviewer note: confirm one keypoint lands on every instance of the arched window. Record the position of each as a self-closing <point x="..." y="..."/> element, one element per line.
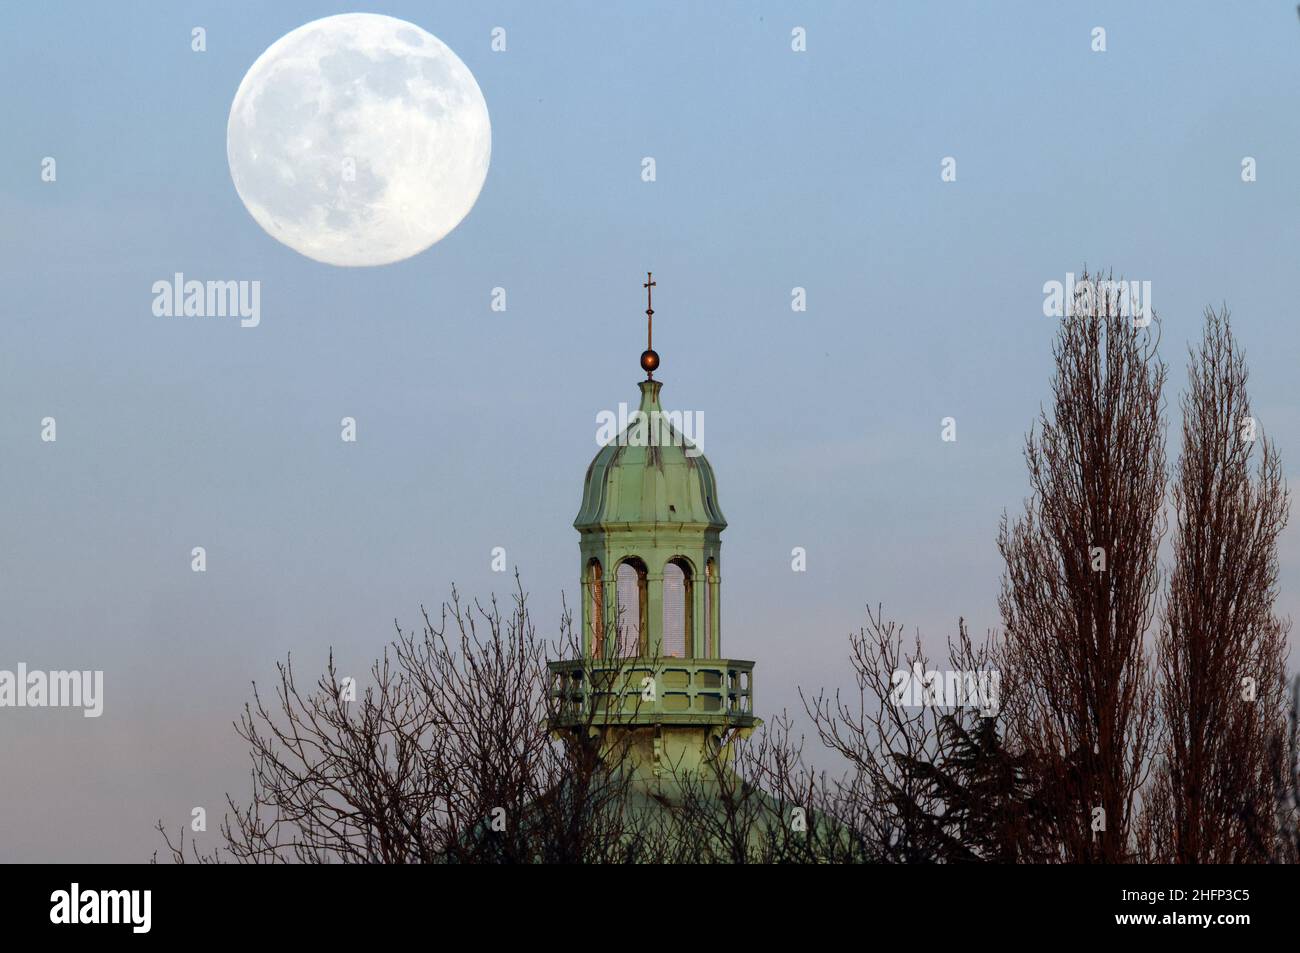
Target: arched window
<point x="710" y="636"/>
<point x="679" y="604"/>
<point x="596" y="607"/>
<point x="631" y="591"/>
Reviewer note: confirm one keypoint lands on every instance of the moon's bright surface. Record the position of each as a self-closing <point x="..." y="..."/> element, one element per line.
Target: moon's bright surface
<point x="358" y="139"/>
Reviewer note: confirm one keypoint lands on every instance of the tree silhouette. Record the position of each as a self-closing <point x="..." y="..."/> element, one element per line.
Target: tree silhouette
<point x="1222" y="652"/>
<point x="1079" y="588"/>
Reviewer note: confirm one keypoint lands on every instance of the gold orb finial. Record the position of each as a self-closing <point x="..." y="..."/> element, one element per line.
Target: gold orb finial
<point x="649" y="357"/>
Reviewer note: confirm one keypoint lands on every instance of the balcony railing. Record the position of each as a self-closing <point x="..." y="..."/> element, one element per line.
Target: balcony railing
<point x="669" y="691"/>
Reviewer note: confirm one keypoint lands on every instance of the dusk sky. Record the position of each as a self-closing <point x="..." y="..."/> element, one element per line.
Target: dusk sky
<point x="775" y="169"/>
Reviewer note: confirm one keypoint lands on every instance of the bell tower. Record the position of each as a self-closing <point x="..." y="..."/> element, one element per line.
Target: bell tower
<point x="650" y="564"/>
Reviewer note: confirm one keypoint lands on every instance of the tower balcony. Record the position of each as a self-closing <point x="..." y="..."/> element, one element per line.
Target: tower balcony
<point x="631" y="692"/>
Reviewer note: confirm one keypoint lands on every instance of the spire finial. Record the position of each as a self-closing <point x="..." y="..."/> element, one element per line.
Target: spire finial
<point x="649" y="359"/>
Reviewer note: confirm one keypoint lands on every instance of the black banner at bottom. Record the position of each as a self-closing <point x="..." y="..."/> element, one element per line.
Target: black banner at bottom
<point x="256" y="903"/>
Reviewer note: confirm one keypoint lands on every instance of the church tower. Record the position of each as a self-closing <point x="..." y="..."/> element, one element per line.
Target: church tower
<point x="653" y="670"/>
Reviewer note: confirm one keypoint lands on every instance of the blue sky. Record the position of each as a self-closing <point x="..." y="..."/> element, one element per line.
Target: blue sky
<point x="775" y="169"/>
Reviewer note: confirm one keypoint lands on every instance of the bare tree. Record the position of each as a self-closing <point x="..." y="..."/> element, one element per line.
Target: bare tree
<point x="926" y="782"/>
<point x="447" y="756"/>
<point x="1222" y="651"/>
<point x="1081" y="577"/>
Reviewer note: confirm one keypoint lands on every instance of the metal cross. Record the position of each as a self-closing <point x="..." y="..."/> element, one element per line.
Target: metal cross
<point x="649" y="311"/>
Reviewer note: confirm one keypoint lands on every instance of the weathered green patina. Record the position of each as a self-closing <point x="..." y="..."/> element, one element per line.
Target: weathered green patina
<point x="650" y="497"/>
<point x="650" y="500"/>
<point x="650" y="687"/>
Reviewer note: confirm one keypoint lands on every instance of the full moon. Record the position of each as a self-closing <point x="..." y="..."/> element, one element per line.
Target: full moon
<point x="358" y="139"/>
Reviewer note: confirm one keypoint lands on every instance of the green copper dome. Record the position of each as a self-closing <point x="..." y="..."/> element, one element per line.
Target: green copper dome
<point x="649" y="474"/>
